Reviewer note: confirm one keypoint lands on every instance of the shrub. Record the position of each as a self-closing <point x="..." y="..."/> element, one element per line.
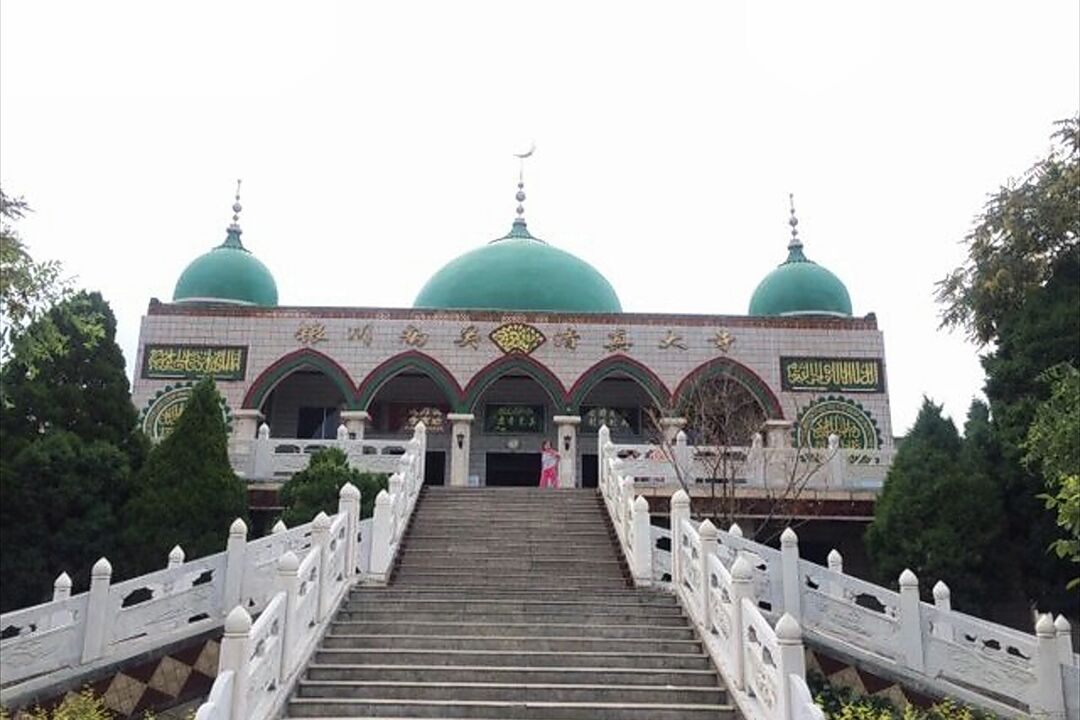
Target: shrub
<point x="316" y="488"/>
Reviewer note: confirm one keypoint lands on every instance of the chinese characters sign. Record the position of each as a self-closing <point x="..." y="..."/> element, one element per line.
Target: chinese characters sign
<point x="222" y="362"/>
<point x="620" y="420"/>
<point x="833" y="374"/>
<point x="514" y="419"/>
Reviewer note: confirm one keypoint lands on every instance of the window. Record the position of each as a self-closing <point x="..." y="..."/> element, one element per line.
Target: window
<point x="317" y="423"/>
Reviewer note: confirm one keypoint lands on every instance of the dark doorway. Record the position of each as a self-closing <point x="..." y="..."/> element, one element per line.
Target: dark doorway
<point x="435" y="468"/>
<point x="589" y="471"/>
<point x="513" y="469"/>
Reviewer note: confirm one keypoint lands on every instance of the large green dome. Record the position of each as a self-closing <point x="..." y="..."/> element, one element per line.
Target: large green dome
<point x="800" y="286"/>
<point x="227" y="274"/>
<point x="519" y="272"/>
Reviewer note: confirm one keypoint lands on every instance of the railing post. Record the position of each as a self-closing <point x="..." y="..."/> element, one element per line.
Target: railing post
<point x="755" y="459"/>
<point x="263" y="463"/>
<point x="98" y="622"/>
<point x="342" y="437"/>
<point x="1049" y="700"/>
<point x="62" y="587"/>
<point x="836" y="564"/>
<point x="1064" y="639"/>
<point x="603" y="437"/>
<point x="943" y="602"/>
<point x="642" y="548"/>
<point x="349" y="503"/>
<point x="837" y="461"/>
<point x="233" y="656"/>
<point x="684" y="459"/>
<point x="320" y="538"/>
<point x="707" y="537"/>
<point x="381" y="528"/>
<point x="288" y="581"/>
<point x="792" y="661"/>
<point x="626" y="504"/>
<point x="911" y="621"/>
<point x="742" y="588"/>
<point x="680" y="510"/>
<point x="789" y="565"/>
<point x="235" y="550"/>
<point x="279" y="527"/>
<point x="420" y="435"/>
<point x="176" y="557"/>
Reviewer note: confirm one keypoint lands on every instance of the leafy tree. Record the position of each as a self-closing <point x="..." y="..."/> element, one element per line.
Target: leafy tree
<point x="1053" y="442"/>
<point x="316" y="487"/>
<point x="187" y="493"/>
<point x="1025" y="228"/>
<point x="28" y="289"/>
<point x="61" y="497"/>
<point x="83" y="390"/>
<point x="937" y="515"/>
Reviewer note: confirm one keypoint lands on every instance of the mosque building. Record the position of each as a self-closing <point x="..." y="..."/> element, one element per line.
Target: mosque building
<point x="508" y="345"/>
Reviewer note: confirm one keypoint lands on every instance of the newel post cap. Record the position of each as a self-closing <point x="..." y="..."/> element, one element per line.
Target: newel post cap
<point x="238" y="527"/>
<point x="908" y="579"/>
<point x="349" y="492"/>
<point x="788" y="630"/>
<point x="1044" y="628"/>
<point x="941" y="591"/>
<point x="102" y="568"/>
<point x="238" y="622"/>
<point x="707" y="531"/>
<point x="63" y="582"/>
<point x="288" y="563"/>
<point x="321" y="521"/>
<point x="680" y="499"/>
<point x="741" y="570"/>
<point x="788" y="538"/>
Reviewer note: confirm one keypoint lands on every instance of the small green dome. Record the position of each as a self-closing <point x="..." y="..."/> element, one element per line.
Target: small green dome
<point x="519" y="272"/>
<point x="800" y="286"/>
<point x="227" y="274"/>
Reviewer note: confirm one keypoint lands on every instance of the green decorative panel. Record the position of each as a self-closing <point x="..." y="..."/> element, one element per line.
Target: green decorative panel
<point x="172" y="362"/>
<point x="161" y="413"/>
<point x="514" y="419"/>
<point x="832" y="374"/>
<point x="847" y="419"/>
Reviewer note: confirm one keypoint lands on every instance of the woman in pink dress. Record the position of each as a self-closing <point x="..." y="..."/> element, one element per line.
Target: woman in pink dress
<point x="549" y="465"/>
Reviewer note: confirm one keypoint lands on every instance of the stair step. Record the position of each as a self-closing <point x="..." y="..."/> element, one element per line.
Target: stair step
<point x="511" y="674"/>
<point x="528" y="658"/>
<point x="343" y="707"/>
<point x="412" y="627"/>
<point x="619" y="592"/>
<point x="519" y="692"/>
<point x="537" y="616"/>
<point x="486" y="643"/>
<point x="583" y="605"/>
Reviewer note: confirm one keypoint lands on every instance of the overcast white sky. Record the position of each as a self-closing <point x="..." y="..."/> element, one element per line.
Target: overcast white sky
<point x="375" y="141"/>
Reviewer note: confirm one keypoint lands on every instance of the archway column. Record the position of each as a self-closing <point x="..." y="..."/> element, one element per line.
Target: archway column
<point x="355" y="422"/>
<point x="566" y="440"/>
<point x="245" y="423"/>
<point x="460" y="432"/>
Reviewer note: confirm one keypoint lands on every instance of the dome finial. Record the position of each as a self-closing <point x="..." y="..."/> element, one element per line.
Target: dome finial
<point x="519" y="227"/>
<point x="236" y="208"/>
<point x="793" y="221"/>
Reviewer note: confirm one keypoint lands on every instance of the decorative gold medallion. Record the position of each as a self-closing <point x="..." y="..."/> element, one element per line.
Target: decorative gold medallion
<point x="310" y="333"/>
<point x="517" y="338"/>
<point x="568" y="339"/>
<point x="470" y="337"/>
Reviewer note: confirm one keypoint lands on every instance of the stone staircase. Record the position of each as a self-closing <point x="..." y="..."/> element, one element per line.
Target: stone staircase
<point x="510" y="603"/>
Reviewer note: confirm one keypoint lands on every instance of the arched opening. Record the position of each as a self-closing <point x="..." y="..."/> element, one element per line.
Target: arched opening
<point x="622" y="394"/>
<point x="514" y="402"/>
<point x="302" y="396"/>
<point x="402" y="400"/>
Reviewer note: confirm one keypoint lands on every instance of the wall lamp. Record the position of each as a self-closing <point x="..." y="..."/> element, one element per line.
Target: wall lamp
<point x="460" y="440"/>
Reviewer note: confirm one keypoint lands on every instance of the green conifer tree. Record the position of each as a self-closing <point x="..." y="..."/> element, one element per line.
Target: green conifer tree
<point x="187" y="493"/>
<point x="937" y="515"/>
<point x="316" y="487"/>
